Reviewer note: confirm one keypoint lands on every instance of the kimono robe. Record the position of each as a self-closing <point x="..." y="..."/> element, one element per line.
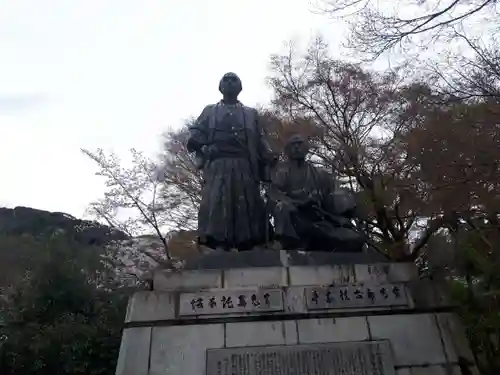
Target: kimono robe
<point x="232" y="151"/>
<point x="311" y="211"/>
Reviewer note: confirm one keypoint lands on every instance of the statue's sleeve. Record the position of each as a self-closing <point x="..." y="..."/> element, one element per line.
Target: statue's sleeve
<point x="265" y="152"/>
<point x="198" y="132"/>
<point x="277" y="191"/>
<point x="279" y="179"/>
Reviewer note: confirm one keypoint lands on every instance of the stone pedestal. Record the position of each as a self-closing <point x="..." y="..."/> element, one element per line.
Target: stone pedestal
<point x="292" y="319"/>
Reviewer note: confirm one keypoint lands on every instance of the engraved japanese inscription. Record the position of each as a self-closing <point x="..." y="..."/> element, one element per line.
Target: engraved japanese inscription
<point x="231" y="301"/>
<point x="356" y="296"/>
<point x="349" y="358"/>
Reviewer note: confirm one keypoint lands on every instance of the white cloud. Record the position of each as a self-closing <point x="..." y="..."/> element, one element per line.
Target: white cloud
<point x="115" y="74"/>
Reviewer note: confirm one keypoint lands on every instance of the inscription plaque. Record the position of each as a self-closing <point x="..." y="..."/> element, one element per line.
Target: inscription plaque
<point x="356" y="296"/>
<point x="348" y="358"/>
<point x="231" y="301"/>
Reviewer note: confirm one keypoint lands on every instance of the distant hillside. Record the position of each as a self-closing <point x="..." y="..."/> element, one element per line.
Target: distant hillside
<point x="39" y="223"/>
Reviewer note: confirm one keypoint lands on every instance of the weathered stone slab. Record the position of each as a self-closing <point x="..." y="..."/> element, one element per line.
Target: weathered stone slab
<point x="385" y="272"/>
<point x="230" y="301"/>
<point x="261" y="333"/>
<point x="321" y="275"/>
<point x="454" y="337"/>
<point x="356" y="296"/>
<point x="265" y="257"/>
<point x="368" y="358"/>
<point x="415" y="338"/>
<point x="229" y="260"/>
<point x="295" y="300"/>
<point x="322" y="330"/>
<point x="146" y="306"/>
<point x="134" y="351"/>
<point x="318" y="258"/>
<point x="180" y="350"/>
<point x="263" y="277"/>
<point x="403" y="371"/>
<point x="164" y="280"/>
<point x="435" y="370"/>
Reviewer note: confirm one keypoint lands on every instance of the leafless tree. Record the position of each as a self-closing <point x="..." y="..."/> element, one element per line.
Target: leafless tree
<point x="379" y="26"/>
<point x="359" y="123"/>
<point x="475" y="76"/>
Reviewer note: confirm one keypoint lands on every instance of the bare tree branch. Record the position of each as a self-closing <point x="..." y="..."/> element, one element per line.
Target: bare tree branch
<point x="375" y="31"/>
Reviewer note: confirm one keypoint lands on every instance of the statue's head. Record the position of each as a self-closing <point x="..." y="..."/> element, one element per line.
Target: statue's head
<point x="297" y="147"/>
<point x="230" y="85"/>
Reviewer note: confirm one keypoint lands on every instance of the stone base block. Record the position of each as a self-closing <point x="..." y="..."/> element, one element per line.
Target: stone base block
<point x="170" y="330"/>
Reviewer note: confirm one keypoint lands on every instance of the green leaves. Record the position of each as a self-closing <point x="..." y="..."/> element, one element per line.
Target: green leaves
<point x="58" y="320"/>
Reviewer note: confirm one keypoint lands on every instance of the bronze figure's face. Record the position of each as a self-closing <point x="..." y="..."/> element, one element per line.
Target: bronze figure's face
<point x="296" y="147"/>
<point x="230" y="85"/>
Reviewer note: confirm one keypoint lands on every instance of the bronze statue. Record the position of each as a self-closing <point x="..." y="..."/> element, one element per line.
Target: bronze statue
<point x="310" y="211"/>
<point x="231" y="150"/>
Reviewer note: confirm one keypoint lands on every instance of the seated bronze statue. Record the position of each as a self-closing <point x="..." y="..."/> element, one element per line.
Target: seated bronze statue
<point x="310" y="211"/>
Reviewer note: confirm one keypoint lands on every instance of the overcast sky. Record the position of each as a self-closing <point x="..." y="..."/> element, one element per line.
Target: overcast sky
<point x="115" y="74"/>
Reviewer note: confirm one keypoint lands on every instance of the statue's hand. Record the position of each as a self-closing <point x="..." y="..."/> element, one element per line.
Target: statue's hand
<point x="199" y="159"/>
<point x="272" y="159"/>
<point x="210" y="151"/>
<point x="286" y="206"/>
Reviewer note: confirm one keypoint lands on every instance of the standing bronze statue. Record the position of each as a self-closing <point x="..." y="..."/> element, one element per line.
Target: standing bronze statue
<point x="310" y="211"/>
<point x="231" y="149"/>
